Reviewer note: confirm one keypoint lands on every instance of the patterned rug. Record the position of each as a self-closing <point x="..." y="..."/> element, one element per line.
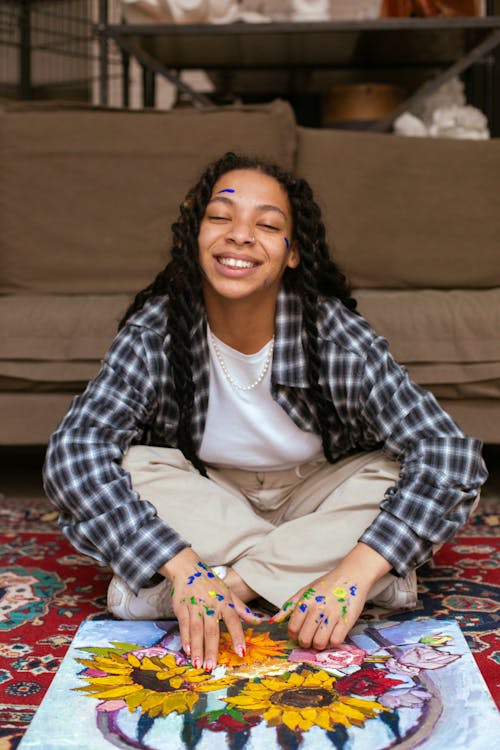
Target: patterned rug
<point x="46" y="590"/>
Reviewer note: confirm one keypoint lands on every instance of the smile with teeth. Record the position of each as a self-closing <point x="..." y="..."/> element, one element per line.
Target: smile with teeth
<point x="236" y="263"/>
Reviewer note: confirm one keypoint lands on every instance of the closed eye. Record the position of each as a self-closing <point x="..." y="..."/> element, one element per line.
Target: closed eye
<point x="269" y="226"/>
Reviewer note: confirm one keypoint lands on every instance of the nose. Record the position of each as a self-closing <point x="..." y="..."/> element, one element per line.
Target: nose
<point x="240" y="233"/>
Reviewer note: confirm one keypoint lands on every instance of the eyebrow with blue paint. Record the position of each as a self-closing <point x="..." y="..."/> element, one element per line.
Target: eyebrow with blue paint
<point x="226" y="190"/>
<point x="229" y="202"/>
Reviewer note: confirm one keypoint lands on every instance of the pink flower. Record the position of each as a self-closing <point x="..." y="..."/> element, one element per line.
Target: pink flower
<point x="91" y="672"/>
<point x="425" y="657"/>
<point x="335" y="658"/>
<point x="109" y="706"/>
<point x="392" y="665"/>
<point x="410" y="698"/>
<point x="149" y="652"/>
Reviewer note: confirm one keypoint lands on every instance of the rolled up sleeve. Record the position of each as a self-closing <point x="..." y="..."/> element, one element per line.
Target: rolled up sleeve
<point x="100" y="513"/>
<point x="441" y="469"/>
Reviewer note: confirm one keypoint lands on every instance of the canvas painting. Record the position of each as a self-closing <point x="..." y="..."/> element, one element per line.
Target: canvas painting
<point x="392" y="685"/>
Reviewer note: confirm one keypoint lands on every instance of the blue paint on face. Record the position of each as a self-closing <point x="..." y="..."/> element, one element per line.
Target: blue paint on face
<point x="226" y="190"/>
<point x="287" y="243"/>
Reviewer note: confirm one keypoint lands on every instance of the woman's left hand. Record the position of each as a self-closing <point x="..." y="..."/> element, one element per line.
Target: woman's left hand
<point x="322" y="613"/>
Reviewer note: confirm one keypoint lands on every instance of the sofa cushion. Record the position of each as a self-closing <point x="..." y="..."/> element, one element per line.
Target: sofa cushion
<point x="407" y="212"/>
<point x="436" y="326"/>
<point x="87" y="196"/>
<point x="448" y="340"/>
<point x="58" y="328"/>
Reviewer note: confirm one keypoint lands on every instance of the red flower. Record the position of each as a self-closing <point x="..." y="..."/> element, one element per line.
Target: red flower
<point x="226" y="723"/>
<point x="367" y="681"/>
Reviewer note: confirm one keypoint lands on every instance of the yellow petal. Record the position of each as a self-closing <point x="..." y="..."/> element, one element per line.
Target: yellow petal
<point x="350" y="712"/>
<point x="244" y="701"/>
<point x="176" y="682"/>
<point x="179" y="702"/>
<point x="273" y="712"/>
<point x="294" y="680"/>
<point x="321" y="717"/>
<point x="291" y="719"/>
<point x="152" y="700"/>
<point x="148" y="664"/>
<point x="319" y="678"/>
<point x="169" y="661"/>
<point x="337" y="718"/>
<point x="207" y="687"/>
<point x="106" y="665"/>
<point x="110" y="680"/>
<point x="133" y="660"/>
<point x="120" y="692"/>
<point x="371" y="705"/>
<point x="133" y="701"/>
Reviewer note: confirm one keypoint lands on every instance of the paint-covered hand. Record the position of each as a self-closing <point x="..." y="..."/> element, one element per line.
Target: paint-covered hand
<point x="200" y="599"/>
<point x="324" y="612"/>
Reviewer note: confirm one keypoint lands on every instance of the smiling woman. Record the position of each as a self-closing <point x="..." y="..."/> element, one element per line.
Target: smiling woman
<point x="237" y="421"/>
<point x="243" y="253"/>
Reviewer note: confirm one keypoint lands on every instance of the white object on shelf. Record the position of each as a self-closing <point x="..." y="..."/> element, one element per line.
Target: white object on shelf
<point x="310" y="10"/>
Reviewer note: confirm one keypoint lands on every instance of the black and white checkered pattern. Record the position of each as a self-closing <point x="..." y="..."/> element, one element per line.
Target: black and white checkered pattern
<point x="373" y="404"/>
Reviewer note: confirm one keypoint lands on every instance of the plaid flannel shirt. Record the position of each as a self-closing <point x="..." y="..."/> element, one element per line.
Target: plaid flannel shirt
<point x="373" y="404"/>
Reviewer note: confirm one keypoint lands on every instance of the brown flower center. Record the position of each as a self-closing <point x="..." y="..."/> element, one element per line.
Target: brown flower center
<point x="304" y="697"/>
<point x="147" y="679"/>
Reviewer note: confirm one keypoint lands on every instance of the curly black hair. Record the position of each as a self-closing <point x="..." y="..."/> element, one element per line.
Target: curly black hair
<point x="180" y="280"/>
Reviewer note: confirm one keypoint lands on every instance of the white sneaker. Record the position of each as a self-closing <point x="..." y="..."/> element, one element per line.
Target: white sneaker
<point x="149" y="604"/>
<point x="400" y="594"/>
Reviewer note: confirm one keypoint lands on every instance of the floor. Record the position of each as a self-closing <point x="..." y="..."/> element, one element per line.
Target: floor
<point x="20" y="475"/>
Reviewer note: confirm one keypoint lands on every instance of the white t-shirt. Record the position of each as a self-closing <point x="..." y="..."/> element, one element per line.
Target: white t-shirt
<point x="248" y="429"/>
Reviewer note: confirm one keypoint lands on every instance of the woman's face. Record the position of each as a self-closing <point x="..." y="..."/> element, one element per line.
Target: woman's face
<point x="245" y="236"/>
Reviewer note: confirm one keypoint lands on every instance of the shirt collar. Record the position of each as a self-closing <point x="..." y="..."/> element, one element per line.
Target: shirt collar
<point x="289" y="364"/>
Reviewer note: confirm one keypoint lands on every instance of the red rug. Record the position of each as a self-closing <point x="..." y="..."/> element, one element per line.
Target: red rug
<point x="46" y="590"/>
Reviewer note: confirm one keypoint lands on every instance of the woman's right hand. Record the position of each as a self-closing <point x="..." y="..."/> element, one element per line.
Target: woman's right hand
<point x="200" y="599"/>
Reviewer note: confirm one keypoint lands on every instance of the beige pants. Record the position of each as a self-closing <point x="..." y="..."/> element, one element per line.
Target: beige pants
<point x="278" y="529"/>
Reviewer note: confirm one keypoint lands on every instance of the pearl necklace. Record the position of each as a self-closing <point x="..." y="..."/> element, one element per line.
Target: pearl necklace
<point x="228" y="375"/>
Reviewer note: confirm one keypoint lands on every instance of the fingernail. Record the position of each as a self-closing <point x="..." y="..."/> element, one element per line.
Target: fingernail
<point x="196" y="662"/>
<point x="240" y="650"/>
<point x="209" y="665"/>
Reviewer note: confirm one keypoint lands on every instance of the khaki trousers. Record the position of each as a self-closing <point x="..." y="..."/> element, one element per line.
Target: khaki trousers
<point x="278" y="529"/>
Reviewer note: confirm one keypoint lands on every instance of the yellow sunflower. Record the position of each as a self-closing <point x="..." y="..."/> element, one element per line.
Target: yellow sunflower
<point x="156" y="685"/>
<point x="260" y="649"/>
<point x="302" y="701"/>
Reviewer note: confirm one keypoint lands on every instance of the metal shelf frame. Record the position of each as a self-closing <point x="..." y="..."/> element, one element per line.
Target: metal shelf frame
<point x="452" y="45"/>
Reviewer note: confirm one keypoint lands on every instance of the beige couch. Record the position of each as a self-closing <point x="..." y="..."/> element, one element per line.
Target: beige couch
<point x="87" y="197"/>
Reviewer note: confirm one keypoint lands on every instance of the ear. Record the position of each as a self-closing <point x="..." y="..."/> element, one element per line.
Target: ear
<point x="293" y="256"/>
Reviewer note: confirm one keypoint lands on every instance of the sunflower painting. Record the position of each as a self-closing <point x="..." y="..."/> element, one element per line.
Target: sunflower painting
<point x="130" y="685"/>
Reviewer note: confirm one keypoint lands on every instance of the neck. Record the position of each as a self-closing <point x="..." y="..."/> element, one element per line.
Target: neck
<point x="245" y="326"/>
